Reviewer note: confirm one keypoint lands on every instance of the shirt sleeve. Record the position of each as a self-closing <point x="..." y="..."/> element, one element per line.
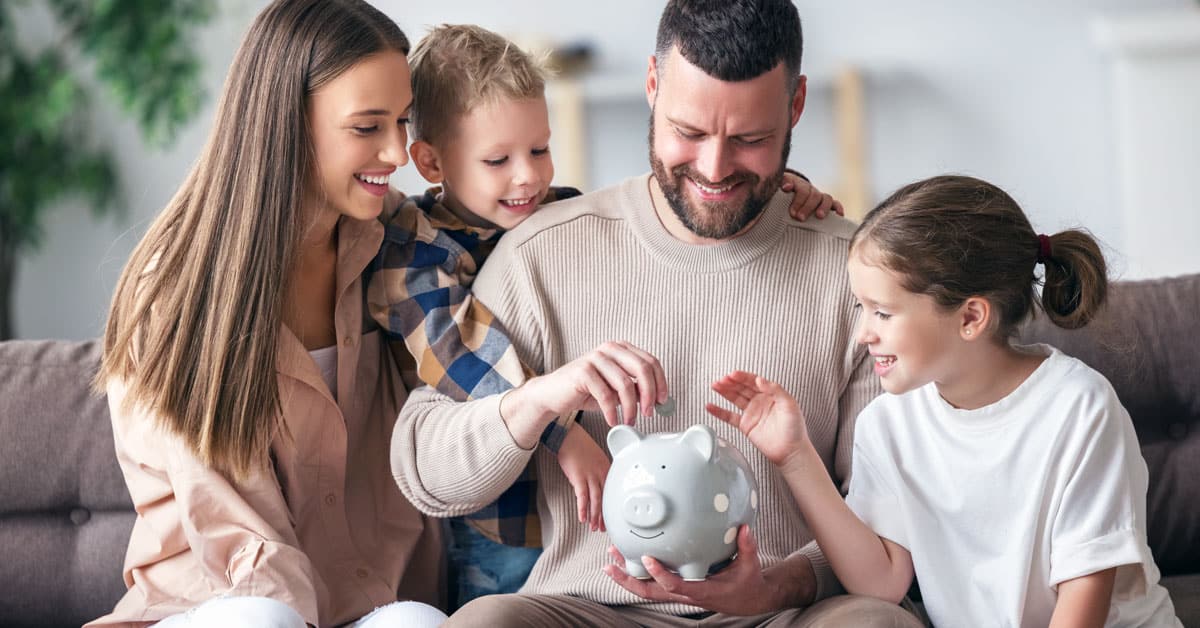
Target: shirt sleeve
<point x="240" y="535"/>
<point x="873" y="495"/>
<point x="453" y="458"/>
<point x="1099" y="521"/>
<point x="418" y="293"/>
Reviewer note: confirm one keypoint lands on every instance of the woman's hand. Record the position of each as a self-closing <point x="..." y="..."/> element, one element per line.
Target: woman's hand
<point x="770" y="417"/>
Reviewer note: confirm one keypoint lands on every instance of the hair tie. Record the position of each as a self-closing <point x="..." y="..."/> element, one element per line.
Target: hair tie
<point x="1044" y="251"/>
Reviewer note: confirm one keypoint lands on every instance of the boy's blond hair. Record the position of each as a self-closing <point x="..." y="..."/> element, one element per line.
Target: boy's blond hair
<point x="457" y="67"/>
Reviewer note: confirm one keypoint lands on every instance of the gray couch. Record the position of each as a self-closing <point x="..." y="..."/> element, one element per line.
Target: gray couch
<point x="65" y="515"/>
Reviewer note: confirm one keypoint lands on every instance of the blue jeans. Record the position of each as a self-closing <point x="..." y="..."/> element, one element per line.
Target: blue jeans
<point x="480" y="566"/>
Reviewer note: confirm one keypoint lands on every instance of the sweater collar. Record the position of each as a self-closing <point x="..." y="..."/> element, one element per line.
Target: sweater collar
<point x="704" y="258"/>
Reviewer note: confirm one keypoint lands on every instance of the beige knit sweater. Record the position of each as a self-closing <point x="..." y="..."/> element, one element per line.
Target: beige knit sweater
<point x="774" y="300"/>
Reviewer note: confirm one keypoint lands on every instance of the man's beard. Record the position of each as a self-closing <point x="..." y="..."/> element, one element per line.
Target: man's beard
<point x="716" y="220"/>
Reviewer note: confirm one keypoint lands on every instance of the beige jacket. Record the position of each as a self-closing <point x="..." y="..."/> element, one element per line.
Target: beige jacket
<point x="328" y="533"/>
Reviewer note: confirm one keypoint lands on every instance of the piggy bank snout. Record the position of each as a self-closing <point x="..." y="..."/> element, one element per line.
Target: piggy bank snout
<point x="645" y="509"/>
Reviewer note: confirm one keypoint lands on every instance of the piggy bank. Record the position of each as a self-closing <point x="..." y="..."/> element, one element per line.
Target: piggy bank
<point x="677" y="497"/>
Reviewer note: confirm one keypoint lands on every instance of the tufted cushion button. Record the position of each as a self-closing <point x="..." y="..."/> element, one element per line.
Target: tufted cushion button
<point x="80" y="516"/>
<point x="1177" y="430"/>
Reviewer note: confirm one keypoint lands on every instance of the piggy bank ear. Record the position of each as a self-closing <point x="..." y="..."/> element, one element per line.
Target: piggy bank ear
<point x="702" y="439"/>
<point x="622" y="436"/>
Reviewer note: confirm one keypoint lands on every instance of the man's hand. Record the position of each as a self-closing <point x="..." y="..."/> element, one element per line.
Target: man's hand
<point x="586" y="467"/>
<point x="739" y="589"/>
<point x="617" y="378"/>
<point x="770" y="417"/>
<point x="808" y="199"/>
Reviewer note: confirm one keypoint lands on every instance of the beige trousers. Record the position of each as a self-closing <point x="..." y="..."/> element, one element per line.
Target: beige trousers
<point x="517" y="610"/>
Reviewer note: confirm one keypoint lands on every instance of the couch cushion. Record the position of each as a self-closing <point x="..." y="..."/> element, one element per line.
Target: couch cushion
<point x="1145" y="343"/>
<point x="1185" y="594"/>
<point x="65" y="514"/>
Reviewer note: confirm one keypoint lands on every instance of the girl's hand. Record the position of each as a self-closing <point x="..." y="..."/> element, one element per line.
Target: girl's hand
<point x="586" y="467"/>
<point x="770" y="417"/>
<point x="808" y="199"/>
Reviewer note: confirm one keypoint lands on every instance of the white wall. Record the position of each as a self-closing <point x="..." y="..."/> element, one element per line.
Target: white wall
<point x="1015" y="92"/>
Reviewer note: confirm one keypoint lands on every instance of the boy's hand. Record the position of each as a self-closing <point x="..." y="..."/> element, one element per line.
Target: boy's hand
<point x="770" y="417"/>
<point x="586" y="467"/>
<point x="808" y="199"/>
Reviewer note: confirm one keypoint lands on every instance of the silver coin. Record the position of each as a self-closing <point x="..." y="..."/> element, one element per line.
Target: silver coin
<point x="666" y="408"/>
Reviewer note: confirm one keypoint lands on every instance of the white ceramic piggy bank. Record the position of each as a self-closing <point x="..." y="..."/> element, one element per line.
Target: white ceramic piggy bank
<point x="678" y="497"/>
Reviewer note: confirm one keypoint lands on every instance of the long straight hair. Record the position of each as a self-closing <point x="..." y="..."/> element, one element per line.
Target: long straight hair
<point x="194" y="324"/>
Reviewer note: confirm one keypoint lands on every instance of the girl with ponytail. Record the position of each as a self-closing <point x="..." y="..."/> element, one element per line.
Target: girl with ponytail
<point x="1006" y="478"/>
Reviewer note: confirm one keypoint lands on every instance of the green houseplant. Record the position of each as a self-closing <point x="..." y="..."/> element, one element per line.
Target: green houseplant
<point x="140" y="52"/>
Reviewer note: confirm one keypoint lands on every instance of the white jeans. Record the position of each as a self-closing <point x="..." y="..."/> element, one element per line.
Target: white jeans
<point x="261" y="612"/>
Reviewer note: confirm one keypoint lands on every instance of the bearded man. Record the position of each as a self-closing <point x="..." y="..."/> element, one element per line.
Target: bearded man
<point x="660" y="285"/>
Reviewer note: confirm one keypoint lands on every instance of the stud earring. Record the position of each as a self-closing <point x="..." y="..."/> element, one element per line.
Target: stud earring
<point x="968" y="332"/>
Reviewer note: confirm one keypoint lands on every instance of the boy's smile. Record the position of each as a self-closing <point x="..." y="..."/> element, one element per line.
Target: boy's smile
<point x="495" y="165"/>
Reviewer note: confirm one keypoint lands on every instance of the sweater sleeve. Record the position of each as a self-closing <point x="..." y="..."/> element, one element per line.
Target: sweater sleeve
<point x="1098" y="523"/>
<point x="419" y="293"/>
<point x="861" y="388"/>
<point x="452" y="458"/>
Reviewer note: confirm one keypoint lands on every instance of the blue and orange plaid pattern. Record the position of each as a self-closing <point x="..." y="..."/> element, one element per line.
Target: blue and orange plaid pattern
<point x="418" y="291"/>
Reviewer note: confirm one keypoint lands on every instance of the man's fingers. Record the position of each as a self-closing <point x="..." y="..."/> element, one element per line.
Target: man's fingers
<point x="650" y="370"/>
<point x="617" y="379"/>
<point x="604" y="397"/>
<point x="670" y="582"/>
<point x="747" y="544"/>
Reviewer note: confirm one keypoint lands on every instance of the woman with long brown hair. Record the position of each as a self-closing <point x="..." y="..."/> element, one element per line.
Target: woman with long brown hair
<point x="252" y="406"/>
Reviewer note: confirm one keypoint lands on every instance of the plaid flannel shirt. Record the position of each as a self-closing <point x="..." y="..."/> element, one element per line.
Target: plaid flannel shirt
<point x="418" y="291"/>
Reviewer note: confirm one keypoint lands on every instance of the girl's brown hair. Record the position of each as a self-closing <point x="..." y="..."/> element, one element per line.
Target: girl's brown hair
<point x="955" y="237"/>
<point x="194" y="322"/>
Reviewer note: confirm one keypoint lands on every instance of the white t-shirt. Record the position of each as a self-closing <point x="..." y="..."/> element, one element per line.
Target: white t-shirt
<point x="1000" y="504"/>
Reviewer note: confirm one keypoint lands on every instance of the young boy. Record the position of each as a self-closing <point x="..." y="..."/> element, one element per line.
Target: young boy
<point x="481" y="133"/>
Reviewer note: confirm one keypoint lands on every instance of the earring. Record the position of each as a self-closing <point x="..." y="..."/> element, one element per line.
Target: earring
<point x="968" y="332"/>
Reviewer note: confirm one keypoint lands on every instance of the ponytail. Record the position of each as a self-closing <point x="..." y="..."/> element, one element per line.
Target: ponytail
<point x="1076" y="280"/>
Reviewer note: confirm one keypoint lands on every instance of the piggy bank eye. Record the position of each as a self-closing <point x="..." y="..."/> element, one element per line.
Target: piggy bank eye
<point x="664" y="466"/>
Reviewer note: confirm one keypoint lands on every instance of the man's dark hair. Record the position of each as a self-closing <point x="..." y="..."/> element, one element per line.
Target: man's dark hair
<point x="733" y="40"/>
